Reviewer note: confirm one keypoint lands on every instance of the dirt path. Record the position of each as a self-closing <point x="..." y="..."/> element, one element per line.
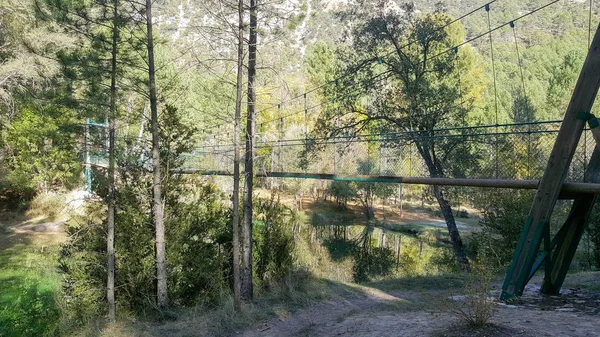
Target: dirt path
<point x="371" y="312"/>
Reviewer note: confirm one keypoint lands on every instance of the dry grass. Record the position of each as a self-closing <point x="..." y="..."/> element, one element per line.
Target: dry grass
<point x="476" y="307"/>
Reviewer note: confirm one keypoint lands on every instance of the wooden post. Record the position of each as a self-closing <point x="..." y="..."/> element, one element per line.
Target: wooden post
<point x="567" y="242"/>
<point x="556" y="171"/>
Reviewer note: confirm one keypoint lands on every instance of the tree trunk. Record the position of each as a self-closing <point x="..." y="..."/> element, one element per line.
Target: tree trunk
<point x="398" y="248"/>
<point x="427" y="152"/>
<point x="157" y="202"/>
<point x="110" y="219"/>
<point x="247" y="286"/>
<point x="237" y="299"/>
<point x="457" y="244"/>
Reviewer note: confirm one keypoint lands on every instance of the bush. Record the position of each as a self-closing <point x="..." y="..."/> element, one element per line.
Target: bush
<point x="49" y="205"/>
<point x="477" y="307"/>
<point x="42" y="146"/>
<point x="273" y="243"/>
<point x="371" y="262"/>
<point x="593" y="233"/>
<point x="444" y="261"/>
<point x="15" y="190"/>
<point x="198" y="254"/>
<point x="199" y="245"/>
<point x="502" y="223"/>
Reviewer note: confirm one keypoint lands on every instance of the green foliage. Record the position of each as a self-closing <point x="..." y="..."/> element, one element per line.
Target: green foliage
<point x="593" y="233"/>
<point x="83" y="265"/>
<point x="199" y="241"/>
<point x="197" y="236"/>
<point x="562" y="80"/>
<point x="42" y="148"/>
<point x="198" y="256"/>
<point x="444" y="261"/>
<point x="342" y="191"/>
<point x="274" y="245"/>
<point x="371" y="262"/>
<point x="33" y="312"/>
<point x="367" y="191"/>
<point x="14" y="190"/>
<point x="321" y="64"/>
<point x="504" y="217"/>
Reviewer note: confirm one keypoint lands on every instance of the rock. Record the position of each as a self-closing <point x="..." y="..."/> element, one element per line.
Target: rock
<point x="511" y="306"/>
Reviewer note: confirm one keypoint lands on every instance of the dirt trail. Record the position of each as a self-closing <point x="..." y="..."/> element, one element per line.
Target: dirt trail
<point x="371" y="312"/>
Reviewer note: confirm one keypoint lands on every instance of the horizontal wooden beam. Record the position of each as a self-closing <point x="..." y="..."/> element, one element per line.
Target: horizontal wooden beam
<point x="568" y="188"/>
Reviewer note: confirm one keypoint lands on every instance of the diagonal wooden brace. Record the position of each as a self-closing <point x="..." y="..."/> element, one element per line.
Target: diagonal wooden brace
<point x="556" y="171"/>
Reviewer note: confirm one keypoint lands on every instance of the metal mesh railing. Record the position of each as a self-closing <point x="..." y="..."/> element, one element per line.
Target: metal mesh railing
<point x="509" y="151"/>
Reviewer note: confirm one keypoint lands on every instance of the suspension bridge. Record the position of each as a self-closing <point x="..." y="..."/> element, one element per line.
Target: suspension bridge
<point x="558" y="158"/>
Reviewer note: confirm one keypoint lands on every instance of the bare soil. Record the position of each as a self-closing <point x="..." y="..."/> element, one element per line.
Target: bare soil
<point x="372" y="312"/>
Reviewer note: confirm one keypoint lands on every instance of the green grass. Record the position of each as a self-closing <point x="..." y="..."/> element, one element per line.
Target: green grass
<point x="281" y="301"/>
<point x="434" y="282"/>
<point x="584" y="280"/>
<point x="28" y="284"/>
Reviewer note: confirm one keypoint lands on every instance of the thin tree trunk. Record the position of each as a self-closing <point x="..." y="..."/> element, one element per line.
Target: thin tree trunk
<point x="398" y="248"/>
<point x="110" y="222"/>
<point x="457" y="244"/>
<point x="435" y="170"/>
<point x="247" y="286"/>
<point x="236" y="162"/>
<point x="157" y="203"/>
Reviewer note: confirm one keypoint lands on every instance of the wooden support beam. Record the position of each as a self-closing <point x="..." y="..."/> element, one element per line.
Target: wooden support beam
<point x="595" y="127"/>
<point x="569" y="189"/>
<point x="556" y="171"/>
<point x="566" y="244"/>
<point x="567" y="240"/>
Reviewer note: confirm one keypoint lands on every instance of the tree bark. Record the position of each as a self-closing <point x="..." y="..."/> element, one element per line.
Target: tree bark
<point x="457" y="244"/>
<point x="157" y="202"/>
<point x="236" y="161"/>
<point x="110" y="222"/>
<point x="435" y="168"/>
<point x="247" y="286"/>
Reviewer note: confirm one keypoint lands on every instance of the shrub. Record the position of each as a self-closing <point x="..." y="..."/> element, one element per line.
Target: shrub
<point x="371" y="262"/>
<point x="198" y="254"/>
<point x="593" y="233"/>
<point x="504" y="216"/>
<point x="477" y="307"/>
<point x="274" y="243"/>
<point x="49" y="205"/>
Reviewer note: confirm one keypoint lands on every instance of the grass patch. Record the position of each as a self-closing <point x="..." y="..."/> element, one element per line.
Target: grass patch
<point x="452" y="282"/>
<point x="584" y="280"/>
<point x="49" y="205"/>
<point x="280" y="301"/>
<point x="27" y="296"/>
<point x="487" y="330"/>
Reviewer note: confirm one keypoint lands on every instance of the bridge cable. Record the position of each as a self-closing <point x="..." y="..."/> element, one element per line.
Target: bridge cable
<point x="525" y="98"/>
<point x="408" y="44"/>
<point x="412" y="42"/>
<point x="444" y="52"/>
<point x="487" y="10"/>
